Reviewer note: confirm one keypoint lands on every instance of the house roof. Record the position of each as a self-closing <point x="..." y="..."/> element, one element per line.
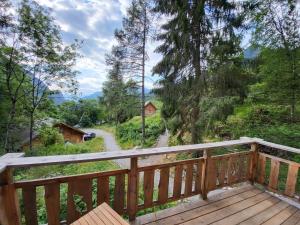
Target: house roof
<point x="68" y="126"/>
<point x="150" y="103"/>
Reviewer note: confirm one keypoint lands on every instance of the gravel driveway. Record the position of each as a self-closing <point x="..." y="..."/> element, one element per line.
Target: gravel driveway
<point x="110" y="145"/>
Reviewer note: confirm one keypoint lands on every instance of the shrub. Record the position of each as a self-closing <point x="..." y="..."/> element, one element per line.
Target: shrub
<point x="129" y="133"/>
<point x="50" y="136"/>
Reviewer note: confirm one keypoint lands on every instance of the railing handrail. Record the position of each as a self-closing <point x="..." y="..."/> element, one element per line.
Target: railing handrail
<point x="14" y="160"/>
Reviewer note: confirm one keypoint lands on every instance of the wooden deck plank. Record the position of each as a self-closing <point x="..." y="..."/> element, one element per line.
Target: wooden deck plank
<point x="256" y="214"/>
<point x="192" y="214"/>
<point x="292" y="220"/>
<point x="148" y="218"/>
<point x="261" y="200"/>
<point x="282" y="216"/>
<point x="182" y="208"/>
<point x="243" y="206"/>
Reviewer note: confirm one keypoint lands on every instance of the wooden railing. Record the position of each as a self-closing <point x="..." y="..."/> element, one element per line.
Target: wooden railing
<point x="138" y="188"/>
<point x="268" y="174"/>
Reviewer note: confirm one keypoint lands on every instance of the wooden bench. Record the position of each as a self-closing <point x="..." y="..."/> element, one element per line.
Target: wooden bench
<point x="102" y="215"/>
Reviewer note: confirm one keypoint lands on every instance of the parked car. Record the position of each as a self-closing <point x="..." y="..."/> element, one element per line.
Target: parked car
<point x="89" y="136"/>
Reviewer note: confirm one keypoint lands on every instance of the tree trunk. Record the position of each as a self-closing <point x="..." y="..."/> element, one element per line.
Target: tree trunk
<point x="8" y="144"/>
<point x="143" y="79"/>
<point x="31" y="130"/>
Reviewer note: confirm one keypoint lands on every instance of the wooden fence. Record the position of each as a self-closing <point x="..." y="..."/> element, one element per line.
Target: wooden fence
<point x="121" y="188"/>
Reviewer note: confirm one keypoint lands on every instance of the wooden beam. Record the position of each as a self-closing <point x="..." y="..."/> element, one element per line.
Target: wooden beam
<point x="204" y="183"/>
<point x="254" y="162"/>
<point x="90" y="157"/>
<point x="133" y="182"/>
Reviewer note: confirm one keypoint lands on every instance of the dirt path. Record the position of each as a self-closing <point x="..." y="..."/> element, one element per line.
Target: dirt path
<point x="112" y="145"/>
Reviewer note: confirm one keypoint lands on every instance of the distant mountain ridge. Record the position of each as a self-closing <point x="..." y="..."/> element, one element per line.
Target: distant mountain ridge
<point x="94" y="95"/>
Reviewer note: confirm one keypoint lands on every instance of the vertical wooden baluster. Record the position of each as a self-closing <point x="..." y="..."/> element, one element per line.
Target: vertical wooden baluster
<point x="254" y="163"/>
<point x="83" y="188"/>
<point x="204" y="183"/>
<point x="133" y="189"/>
<point x="148" y="187"/>
<point x="273" y="182"/>
<point x="198" y="177"/>
<point x="212" y="174"/>
<point x="52" y="201"/>
<point x="188" y="180"/>
<point x="119" y="194"/>
<point x="262" y="169"/>
<point x="163" y="186"/>
<point x="177" y="181"/>
<point x="9" y="203"/>
<point x="291" y="180"/>
<point x="103" y="190"/>
<point x="222" y="171"/>
<point x="30" y="210"/>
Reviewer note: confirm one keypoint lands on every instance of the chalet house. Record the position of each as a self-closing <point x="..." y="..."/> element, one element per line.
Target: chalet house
<point x="150" y="108"/>
<point x="71" y="134"/>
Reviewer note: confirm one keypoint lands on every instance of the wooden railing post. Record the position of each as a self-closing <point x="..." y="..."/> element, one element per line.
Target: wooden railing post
<point x="9" y="204"/>
<point x="254" y="162"/>
<point x="133" y="189"/>
<point x="204" y="183"/>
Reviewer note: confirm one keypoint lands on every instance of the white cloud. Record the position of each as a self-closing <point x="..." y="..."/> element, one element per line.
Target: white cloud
<point x="94" y="22"/>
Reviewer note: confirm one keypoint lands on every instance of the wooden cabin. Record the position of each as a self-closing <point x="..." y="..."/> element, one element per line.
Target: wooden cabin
<point x="150" y="108"/>
<point x="244" y="176"/>
<point x="71" y="134"/>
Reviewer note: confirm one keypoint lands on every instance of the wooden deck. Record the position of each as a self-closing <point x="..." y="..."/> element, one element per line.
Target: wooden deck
<point x="246" y="205"/>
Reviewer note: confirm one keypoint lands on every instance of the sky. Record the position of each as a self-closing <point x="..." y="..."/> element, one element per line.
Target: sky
<point x="94" y="22"/>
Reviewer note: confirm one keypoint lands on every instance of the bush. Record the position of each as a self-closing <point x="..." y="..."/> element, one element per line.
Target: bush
<point x="263" y="121"/>
<point x="129" y="133"/>
<point x="50" y="136"/>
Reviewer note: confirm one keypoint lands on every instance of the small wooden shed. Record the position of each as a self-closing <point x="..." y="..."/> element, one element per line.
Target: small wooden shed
<point x="71" y="134"/>
<point x="150" y="108"/>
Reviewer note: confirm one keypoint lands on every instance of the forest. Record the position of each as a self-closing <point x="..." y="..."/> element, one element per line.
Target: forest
<point x="227" y="69"/>
<point x="210" y="86"/>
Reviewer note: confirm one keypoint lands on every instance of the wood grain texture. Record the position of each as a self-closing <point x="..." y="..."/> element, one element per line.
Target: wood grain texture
<point x="188" y="188"/>
<point x="261" y="171"/>
<point x="291" y="181"/>
<point x="30" y="210"/>
<point x="177" y="181"/>
<point x="163" y="186"/>
<point x="52" y="201"/>
<point x="148" y="187"/>
<point x="83" y="189"/>
<point x="133" y="181"/>
<point x="119" y="194"/>
<point x="273" y="181"/>
<point x="198" y="176"/>
<point x="212" y="174"/>
<point x="92" y="157"/>
<point x="103" y="190"/>
<point x="70" y="178"/>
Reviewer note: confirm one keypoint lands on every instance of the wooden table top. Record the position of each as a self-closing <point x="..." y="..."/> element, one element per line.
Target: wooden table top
<point x="101" y="215"/>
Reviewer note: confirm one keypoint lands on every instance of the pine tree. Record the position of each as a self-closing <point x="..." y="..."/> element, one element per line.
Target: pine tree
<point x="132" y="40"/>
<point x="188" y="40"/>
<point x="119" y="97"/>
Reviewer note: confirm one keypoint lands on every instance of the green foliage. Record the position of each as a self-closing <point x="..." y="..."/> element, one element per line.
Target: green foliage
<point x="129" y="133"/>
<point x="85" y="112"/>
<point x="263" y="121"/>
<point x="95" y="145"/>
<point x="50" y="136"/>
